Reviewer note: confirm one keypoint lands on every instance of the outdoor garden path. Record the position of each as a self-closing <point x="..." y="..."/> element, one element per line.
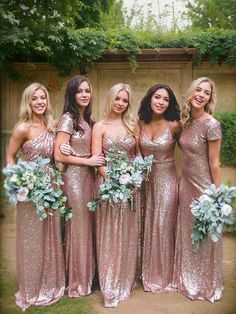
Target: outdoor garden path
<point x="141" y="302"/>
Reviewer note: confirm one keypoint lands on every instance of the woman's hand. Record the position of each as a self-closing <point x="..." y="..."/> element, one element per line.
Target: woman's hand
<point x="96" y="160"/>
<point x="134" y="190"/>
<point x="66" y="149"/>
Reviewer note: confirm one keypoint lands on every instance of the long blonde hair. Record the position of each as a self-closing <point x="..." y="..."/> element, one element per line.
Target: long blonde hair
<point x="126" y="116"/>
<point x="186" y="107"/>
<point x="25" y="108"/>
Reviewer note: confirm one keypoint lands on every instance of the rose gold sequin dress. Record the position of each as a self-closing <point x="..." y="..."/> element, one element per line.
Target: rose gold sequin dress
<point x="117" y="239"/>
<point x="79" y="188"/>
<point x="159" y="203"/>
<point x="196" y="276"/>
<point x="39" y="253"/>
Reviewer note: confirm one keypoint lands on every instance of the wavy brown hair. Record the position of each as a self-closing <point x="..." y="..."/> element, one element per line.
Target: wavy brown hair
<point x="71" y="106"/>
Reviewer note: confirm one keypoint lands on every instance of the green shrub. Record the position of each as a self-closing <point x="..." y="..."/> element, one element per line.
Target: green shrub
<point x="228" y="149"/>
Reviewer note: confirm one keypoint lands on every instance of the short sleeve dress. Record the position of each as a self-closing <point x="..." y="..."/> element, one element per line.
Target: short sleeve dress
<point x="196" y="276"/>
<point x="79" y="189"/>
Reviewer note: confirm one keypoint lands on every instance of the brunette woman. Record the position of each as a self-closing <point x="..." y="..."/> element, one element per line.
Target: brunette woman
<point x="159" y="123"/>
<point x="75" y="127"/>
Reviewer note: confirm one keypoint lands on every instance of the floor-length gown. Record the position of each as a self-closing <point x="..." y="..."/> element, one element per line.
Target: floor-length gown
<point x="39" y="253"/>
<point x="117" y="234"/>
<point x="196" y="276"/>
<point x="159" y="203"/>
<point x="79" y="189"/>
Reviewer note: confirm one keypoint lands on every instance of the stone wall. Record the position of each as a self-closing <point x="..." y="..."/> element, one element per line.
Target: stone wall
<point x="177" y="74"/>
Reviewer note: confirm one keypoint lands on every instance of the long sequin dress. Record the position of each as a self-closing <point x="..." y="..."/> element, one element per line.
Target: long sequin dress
<point x="117" y="234"/>
<point x="159" y="204"/>
<point x="196" y="276"/>
<point x="39" y="253"/>
<point x="79" y="189"/>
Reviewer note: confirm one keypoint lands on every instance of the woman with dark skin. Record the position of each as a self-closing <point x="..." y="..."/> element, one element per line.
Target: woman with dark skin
<point x="159" y="117"/>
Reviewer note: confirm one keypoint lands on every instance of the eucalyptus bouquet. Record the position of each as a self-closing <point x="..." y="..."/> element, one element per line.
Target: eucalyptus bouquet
<point x="122" y="176"/>
<point x="212" y="210"/>
<point x="37" y="182"/>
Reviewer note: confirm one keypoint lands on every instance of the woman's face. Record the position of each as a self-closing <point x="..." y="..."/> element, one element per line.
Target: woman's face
<point x="121" y="102"/>
<point x="39" y="102"/>
<point x="160" y="101"/>
<point x="201" y="95"/>
<point x="83" y="95"/>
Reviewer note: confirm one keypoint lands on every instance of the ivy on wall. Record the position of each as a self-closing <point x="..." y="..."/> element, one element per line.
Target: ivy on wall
<point x="86" y="46"/>
<point x="228" y="148"/>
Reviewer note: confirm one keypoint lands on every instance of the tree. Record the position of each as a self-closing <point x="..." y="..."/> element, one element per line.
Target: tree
<point x="46" y="30"/>
<point x="212" y="13"/>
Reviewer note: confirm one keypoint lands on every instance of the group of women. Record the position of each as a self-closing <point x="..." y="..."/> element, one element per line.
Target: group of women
<point x="151" y="244"/>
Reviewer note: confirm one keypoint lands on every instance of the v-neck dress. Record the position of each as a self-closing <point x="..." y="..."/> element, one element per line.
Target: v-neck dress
<point x="159" y="206"/>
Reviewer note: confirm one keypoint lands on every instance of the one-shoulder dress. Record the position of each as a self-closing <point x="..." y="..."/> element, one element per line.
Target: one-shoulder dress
<point x="159" y="205"/>
<point x="79" y="189"/>
<point x="196" y="276"/>
<point x="39" y="253"/>
<point x="117" y="236"/>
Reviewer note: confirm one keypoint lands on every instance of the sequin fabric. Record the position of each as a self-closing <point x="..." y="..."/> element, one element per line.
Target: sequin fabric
<point x="196" y="276"/>
<point x="39" y="254"/>
<point x="79" y="188"/>
<point x="159" y="206"/>
<point x="117" y="239"/>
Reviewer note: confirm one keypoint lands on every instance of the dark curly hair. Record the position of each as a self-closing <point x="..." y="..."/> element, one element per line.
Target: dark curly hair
<point x="145" y="111"/>
<point x="71" y="106"/>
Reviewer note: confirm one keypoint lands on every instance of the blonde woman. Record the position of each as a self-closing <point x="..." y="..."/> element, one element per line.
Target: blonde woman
<point x="116" y="229"/>
<point x="39" y="255"/>
<point x="198" y="276"/>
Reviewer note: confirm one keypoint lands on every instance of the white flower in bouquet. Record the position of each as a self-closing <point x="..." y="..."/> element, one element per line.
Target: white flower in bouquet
<point x="30" y="186"/>
<point x="125" y="179"/>
<point x="137" y="179"/>
<point x="205" y="198"/>
<point x="123" y="175"/>
<point x="22" y="194"/>
<point x="37" y="182"/>
<point x="212" y="211"/>
<point x="226" y="210"/>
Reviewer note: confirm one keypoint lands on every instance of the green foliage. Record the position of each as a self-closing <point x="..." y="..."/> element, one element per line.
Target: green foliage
<point x="50" y="31"/>
<point x="212" y="13"/>
<point x="228" y="149"/>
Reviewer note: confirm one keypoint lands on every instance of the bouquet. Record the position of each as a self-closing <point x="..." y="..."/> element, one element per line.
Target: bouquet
<point x="122" y="176"/>
<point x="37" y="182"/>
<point x="212" y="210"/>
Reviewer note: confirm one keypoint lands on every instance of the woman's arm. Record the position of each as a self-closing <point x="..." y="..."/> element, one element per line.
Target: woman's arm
<point x="62" y="138"/>
<point x="97" y="144"/>
<point x="137" y="131"/>
<point x="175" y="128"/>
<point x="214" y="163"/>
<point x="17" y="139"/>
